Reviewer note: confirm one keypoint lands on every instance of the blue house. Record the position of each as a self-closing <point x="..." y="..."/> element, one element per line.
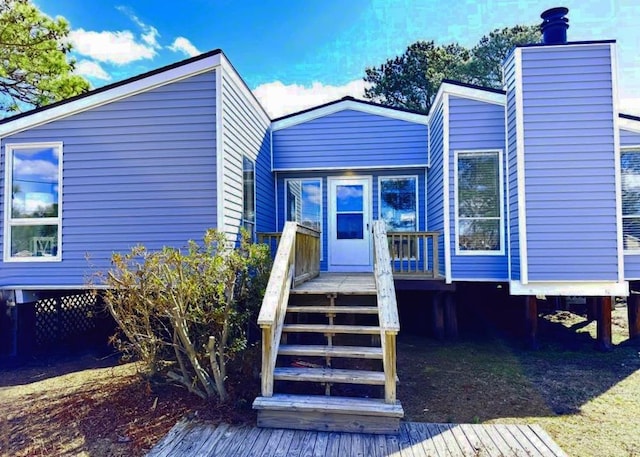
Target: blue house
<point x="535" y="187"/>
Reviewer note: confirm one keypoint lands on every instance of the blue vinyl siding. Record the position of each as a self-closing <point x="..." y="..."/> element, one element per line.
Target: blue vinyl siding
<point x="569" y="160"/>
<point x="629" y="138"/>
<point x="631" y="261"/>
<point x="350" y="139"/>
<point x="374" y="174"/>
<point x="474" y="125"/>
<point x="435" y="183"/>
<point x="245" y="132"/>
<point x="138" y="170"/>
<point x="511" y="184"/>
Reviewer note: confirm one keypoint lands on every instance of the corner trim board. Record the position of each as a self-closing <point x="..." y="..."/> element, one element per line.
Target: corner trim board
<point x="520" y="168"/>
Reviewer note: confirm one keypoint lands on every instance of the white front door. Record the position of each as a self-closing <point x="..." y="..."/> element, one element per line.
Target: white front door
<point x="349" y="224"/>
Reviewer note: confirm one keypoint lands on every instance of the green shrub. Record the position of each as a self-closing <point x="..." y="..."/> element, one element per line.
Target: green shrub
<point x="185" y="313"/>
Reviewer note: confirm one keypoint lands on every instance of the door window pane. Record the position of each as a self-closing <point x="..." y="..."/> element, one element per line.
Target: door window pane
<point x="349" y="198"/>
<point x="350" y="226"/>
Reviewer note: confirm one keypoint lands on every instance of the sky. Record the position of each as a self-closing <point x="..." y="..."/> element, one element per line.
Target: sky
<point x="296" y="54"/>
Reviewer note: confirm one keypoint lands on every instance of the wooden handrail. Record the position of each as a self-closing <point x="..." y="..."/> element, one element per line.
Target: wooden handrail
<point x="387" y="308"/>
<point x="297" y="260"/>
<point x="411" y="252"/>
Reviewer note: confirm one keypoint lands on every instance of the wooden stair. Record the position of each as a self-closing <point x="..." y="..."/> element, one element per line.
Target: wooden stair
<point x="331" y="341"/>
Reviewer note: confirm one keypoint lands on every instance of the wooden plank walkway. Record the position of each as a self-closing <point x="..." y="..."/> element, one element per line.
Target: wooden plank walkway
<point x="340" y="283"/>
<point x="416" y="439"/>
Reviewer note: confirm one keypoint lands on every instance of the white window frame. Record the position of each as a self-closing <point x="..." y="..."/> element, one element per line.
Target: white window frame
<point x="634" y="150"/>
<point x="479" y="152"/>
<point x="380" y="179"/>
<point x="255" y="194"/>
<point x="286" y="205"/>
<point x="9" y="222"/>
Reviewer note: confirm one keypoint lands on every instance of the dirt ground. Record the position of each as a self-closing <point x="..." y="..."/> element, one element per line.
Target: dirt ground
<point x="589" y="401"/>
<point x="86" y="405"/>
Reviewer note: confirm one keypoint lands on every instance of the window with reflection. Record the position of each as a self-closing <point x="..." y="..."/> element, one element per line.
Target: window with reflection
<point x="630" y="167"/>
<point x="33" y="217"/>
<point x="249" y="195"/>
<point x="304" y="202"/>
<point x="398" y="203"/>
<point x="478" y="201"/>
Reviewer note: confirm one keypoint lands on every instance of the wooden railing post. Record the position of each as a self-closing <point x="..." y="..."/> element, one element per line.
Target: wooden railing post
<point x="408" y="258"/>
<point x="274" y="305"/>
<point x="387" y="308"/>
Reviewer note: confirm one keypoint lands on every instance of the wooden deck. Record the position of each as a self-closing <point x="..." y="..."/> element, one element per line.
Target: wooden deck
<point x="339" y="283"/>
<point x="415" y="440"/>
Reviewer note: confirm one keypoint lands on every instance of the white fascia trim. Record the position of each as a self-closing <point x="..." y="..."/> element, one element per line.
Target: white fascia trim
<point x="445" y="184"/>
<point x="19" y="288"/>
<point x="618" y="167"/>
<point x="350" y="105"/>
<point x="520" y="168"/>
<point x="629" y="124"/>
<point x="571" y="288"/>
<point x="111" y="95"/>
<point x="456" y="217"/>
<point x="8" y="224"/>
<point x="344" y="168"/>
<point x="220" y="188"/>
<point x="469" y="92"/>
<point x="240" y="84"/>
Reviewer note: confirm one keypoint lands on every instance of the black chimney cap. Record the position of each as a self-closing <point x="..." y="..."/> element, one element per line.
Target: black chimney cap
<point x="554" y="25"/>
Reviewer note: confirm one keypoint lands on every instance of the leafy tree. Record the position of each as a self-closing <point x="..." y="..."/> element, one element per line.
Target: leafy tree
<point x="411" y="80"/>
<point x="485" y="67"/>
<point x="34" y="68"/>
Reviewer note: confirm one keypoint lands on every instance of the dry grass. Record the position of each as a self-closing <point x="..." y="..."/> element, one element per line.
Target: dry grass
<point x="588" y="401"/>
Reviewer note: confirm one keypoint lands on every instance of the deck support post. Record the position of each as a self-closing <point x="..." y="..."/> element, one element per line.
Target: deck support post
<point x="633" y="311"/>
<point x="603" y="340"/>
<point x="438" y="315"/>
<point x="450" y="316"/>
<point x="531" y="321"/>
<point x="592" y="308"/>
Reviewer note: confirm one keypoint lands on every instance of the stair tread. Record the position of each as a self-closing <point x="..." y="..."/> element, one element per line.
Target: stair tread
<point x="362" y="352"/>
<point x="333" y="309"/>
<point x="329" y="375"/>
<point x="339" y="405"/>
<point x="328" y="328"/>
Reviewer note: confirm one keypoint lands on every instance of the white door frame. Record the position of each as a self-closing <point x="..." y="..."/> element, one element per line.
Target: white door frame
<point x="362" y="260"/>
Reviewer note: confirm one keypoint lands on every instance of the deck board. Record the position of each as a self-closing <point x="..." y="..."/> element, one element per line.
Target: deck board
<point x="414" y="440"/>
<point x="338" y="283"/>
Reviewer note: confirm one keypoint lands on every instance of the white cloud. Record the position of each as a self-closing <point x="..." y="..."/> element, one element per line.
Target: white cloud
<point x="120" y="47"/>
<point x="280" y="99"/>
<point x="92" y="69"/>
<point x="150" y="34"/>
<point x="39" y="169"/>
<point x="182" y="44"/>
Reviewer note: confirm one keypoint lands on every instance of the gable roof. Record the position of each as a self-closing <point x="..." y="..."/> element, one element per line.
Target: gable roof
<point x="348" y="103"/>
<point x="112" y="92"/>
